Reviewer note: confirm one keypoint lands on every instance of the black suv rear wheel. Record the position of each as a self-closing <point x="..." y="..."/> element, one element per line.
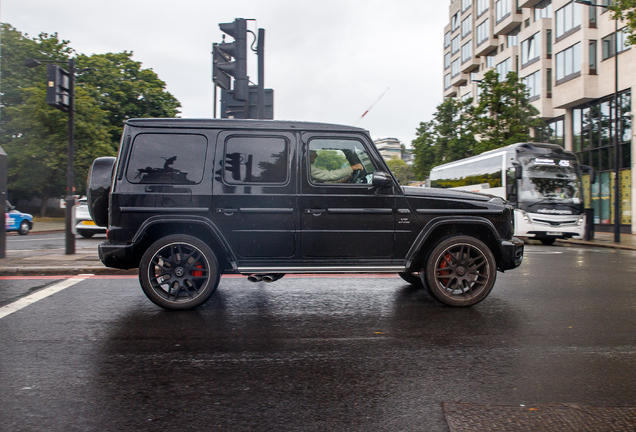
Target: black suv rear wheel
<point x="460" y="271"/>
<point x="179" y="272"/>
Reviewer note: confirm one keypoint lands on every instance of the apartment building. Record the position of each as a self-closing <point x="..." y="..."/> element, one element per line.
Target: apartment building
<point x="564" y="52"/>
<point x="389" y="148"/>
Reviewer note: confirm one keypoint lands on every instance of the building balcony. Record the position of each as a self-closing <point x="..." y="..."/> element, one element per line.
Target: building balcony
<point x="575" y="91"/>
<point x="509" y="23"/>
<point x="470" y="65"/>
<point x="486" y="47"/>
<point x="451" y="92"/>
<point x="528" y="3"/>
<point x="459" y="79"/>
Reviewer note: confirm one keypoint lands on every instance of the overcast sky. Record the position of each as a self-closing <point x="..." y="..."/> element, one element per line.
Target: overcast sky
<point x="327" y="60"/>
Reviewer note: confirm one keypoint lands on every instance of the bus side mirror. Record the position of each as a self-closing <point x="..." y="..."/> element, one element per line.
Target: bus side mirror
<point x="518" y="170"/>
<point x="589" y="170"/>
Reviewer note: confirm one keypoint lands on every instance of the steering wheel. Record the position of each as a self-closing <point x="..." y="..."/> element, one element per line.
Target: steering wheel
<point x="358" y="176"/>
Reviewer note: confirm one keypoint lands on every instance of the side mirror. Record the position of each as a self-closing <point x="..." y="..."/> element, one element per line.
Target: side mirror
<point x="518" y="170"/>
<point x="591" y="172"/>
<point x="380" y="180"/>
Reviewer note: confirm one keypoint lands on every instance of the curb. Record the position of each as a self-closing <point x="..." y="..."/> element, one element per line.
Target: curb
<point x="595" y="244"/>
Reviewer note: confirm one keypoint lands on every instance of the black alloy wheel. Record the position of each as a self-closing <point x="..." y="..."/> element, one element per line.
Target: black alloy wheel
<point x="461" y="271"/>
<point x="179" y="272"/>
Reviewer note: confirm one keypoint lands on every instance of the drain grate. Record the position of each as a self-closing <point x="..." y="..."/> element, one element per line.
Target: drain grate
<point x="464" y="417"/>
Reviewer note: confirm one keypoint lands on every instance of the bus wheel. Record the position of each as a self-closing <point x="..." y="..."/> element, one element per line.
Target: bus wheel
<point x="460" y="271"/>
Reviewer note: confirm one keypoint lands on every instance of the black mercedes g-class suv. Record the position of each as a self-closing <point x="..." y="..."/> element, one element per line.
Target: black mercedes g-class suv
<point x="188" y="200"/>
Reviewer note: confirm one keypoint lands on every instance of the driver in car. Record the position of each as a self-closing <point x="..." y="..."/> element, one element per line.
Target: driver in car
<point x="331" y="176"/>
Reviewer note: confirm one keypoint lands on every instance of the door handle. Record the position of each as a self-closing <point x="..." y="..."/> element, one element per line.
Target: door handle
<point x="315" y="212"/>
<point x="227" y="211"/>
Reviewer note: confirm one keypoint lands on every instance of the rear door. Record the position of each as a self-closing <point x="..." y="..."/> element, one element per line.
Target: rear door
<point x="255" y="193"/>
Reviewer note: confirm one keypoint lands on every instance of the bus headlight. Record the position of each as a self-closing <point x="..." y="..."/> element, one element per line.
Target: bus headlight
<point x="526" y="218"/>
<point x="581" y="220"/>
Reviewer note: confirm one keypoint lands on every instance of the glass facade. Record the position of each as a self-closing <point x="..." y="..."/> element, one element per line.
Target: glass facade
<point x="594" y="128"/>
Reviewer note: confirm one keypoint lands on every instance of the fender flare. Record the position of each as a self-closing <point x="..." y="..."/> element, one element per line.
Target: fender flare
<point x="181" y="220"/>
<point x="437" y="222"/>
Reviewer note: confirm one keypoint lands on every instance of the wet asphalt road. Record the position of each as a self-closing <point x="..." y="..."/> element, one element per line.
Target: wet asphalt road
<point x="319" y="353"/>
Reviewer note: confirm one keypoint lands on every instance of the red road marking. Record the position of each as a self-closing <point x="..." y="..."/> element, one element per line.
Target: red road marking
<point x="228" y="276"/>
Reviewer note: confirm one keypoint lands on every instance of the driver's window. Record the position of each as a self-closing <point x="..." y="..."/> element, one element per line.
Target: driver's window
<point x="339" y="161"/>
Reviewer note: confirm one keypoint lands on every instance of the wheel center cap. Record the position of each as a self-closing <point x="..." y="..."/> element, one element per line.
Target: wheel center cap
<point x="179" y="271"/>
<point x="461" y="271"/>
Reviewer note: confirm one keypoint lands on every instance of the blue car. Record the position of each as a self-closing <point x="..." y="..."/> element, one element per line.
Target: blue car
<point x="17" y="221"/>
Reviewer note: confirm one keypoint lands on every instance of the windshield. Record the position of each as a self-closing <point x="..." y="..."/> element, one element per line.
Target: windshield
<point x="550" y="179"/>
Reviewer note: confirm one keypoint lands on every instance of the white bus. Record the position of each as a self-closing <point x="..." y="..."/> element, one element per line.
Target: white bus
<point x="542" y="182"/>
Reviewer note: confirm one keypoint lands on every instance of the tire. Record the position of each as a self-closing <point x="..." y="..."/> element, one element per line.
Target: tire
<point x="24" y="228"/>
<point x="412" y="277"/>
<point x="86" y="234"/>
<point x="460" y="271"/>
<point x="186" y="261"/>
<point x="548" y="241"/>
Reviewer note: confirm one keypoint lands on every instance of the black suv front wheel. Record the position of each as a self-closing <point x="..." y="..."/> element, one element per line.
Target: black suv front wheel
<point x="460" y="271"/>
<point x="179" y="272"/>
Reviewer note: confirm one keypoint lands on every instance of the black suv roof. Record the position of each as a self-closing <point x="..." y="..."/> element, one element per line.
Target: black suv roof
<point x="238" y="124"/>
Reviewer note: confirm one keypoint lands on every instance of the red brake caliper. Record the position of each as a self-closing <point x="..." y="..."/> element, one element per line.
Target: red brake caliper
<point x="444" y="264"/>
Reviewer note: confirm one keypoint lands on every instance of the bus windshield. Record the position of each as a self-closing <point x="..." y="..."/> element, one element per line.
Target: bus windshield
<point x="550" y="179"/>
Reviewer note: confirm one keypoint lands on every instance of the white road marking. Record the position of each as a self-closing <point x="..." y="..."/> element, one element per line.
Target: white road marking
<point x="30" y="299"/>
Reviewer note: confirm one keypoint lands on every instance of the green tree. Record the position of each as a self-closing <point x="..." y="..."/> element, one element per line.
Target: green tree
<point x="424" y="150"/>
<point x="503" y="115"/>
<point x="125" y="90"/>
<point x="625" y="10"/>
<point x="401" y="170"/>
<point x="35" y="135"/>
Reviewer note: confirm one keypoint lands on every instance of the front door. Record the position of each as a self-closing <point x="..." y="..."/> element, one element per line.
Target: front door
<point x="342" y="216"/>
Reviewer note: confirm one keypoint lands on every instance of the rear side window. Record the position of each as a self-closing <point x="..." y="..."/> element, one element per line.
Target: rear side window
<point x="255" y="159"/>
<point x="167" y="159"/>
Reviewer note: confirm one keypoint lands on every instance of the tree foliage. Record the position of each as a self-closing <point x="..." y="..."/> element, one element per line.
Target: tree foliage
<point x="625" y="10"/>
<point x="460" y="129"/>
<point x="401" y="170"/>
<point x="35" y="135"/>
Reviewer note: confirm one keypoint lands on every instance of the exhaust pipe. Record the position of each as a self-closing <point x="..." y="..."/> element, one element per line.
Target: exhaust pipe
<point x="255" y="278"/>
<point x="269" y="278"/>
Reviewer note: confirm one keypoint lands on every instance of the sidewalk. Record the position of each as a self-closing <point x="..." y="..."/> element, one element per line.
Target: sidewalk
<point x="85" y="261"/>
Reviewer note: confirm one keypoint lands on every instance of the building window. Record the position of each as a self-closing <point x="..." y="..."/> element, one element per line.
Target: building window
<point x="467" y="51"/>
<point x="568" y="62"/>
<point x="467" y="26"/>
<point x="548" y="43"/>
<point x="513" y="37"/>
<point x="568" y="19"/>
<point x="555" y="129"/>
<point x="482" y="6"/>
<point x="455" y="45"/>
<point x="502" y="9"/>
<point x="466" y="4"/>
<point x="455" y="68"/>
<point x="483" y="32"/>
<point x="611" y="41"/>
<point x="504" y="68"/>
<point x="466" y="97"/>
<point x="533" y="84"/>
<point x="543" y="10"/>
<point x="455" y="22"/>
<point x="548" y="80"/>
<point x="447" y="62"/>
<point x="447" y="40"/>
<point x="593" y="57"/>
<point x="531" y="49"/>
<point x="490" y="61"/>
<point x="447" y="81"/>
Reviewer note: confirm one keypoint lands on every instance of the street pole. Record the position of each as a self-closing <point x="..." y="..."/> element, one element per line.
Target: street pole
<point x="617" y="216"/>
<point x="70" y="199"/>
<point x="260" y="51"/>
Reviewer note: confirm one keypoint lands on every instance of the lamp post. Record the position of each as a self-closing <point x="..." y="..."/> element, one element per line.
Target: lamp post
<point x="617" y="217"/>
<point x="70" y="107"/>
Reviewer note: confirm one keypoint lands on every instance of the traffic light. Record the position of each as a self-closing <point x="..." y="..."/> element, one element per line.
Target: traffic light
<point x="58" y="87"/>
<point x="238" y="50"/>
<point x="219" y="77"/>
<point x="233" y="164"/>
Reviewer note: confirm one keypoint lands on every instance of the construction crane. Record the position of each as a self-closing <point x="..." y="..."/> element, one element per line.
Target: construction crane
<point x="372" y="105"/>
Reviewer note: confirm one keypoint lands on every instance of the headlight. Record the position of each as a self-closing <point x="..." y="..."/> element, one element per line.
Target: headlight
<point x="526" y="218"/>
<point x="581" y="220"/>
